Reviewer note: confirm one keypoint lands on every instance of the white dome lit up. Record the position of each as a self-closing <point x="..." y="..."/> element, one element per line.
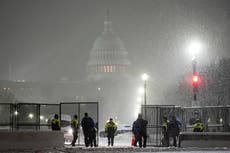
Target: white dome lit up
<point x="108" y="54"/>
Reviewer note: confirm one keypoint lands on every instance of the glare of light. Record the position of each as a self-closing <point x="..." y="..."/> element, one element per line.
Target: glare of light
<point x="221" y="120"/>
<point x="194" y="48"/>
<point x="41" y="117"/>
<point x="31" y="115"/>
<point x="70" y="131"/>
<point x="144" y="77"/>
<point x="139" y="99"/>
<point x="137" y="110"/>
<point x="141" y="90"/>
<point x="46" y="120"/>
<point x="99" y="89"/>
<point x="209" y="120"/>
<point x="195" y="78"/>
<point x="16" y="113"/>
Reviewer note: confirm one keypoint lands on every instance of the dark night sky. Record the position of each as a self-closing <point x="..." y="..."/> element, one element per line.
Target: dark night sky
<point x="43" y="39"/>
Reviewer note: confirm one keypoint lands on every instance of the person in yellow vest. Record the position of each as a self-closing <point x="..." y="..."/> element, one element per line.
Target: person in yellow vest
<point x="56" y="123"/>
<point x="110" y="129"/>
<point x="165" y="140"/>
<point x="198" y="126"/>
<point x="75" y="128"/>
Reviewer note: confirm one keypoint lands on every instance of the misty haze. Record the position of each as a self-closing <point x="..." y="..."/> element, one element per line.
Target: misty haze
<point x="112" y="57"/>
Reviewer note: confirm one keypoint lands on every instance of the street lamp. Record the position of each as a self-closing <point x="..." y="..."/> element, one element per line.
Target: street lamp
<point x="194" y="48"/>
<point x="145" y="78"/>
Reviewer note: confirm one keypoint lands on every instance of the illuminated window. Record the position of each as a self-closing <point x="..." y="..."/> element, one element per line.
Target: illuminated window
<point x="111" y="68"/>
<point x="107" y="69"/>
<point x="104" y="68"/>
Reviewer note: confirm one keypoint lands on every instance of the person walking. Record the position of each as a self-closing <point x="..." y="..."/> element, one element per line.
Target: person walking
<point x="110" y="129"/>
<point x="94" y="134"/>
<point x="56" y="123"/>
<point x="198" y="126"/>
<point x="174" y="129"/>
<point x="139" y="130"/>
<point x="165" y="139"/>
<point x="75" y="128"/>
<point x="87" y="124"/>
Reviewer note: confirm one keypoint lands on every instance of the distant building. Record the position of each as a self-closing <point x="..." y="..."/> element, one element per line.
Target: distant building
<point x="108" y="56"/>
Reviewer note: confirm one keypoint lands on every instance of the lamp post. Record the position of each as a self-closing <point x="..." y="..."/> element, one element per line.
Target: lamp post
<point x="145" y="78"/>
<point x="194" y="48"/>
<point x="194" y="80"/>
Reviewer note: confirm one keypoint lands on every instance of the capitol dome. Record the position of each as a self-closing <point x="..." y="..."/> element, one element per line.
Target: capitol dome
<point x="108" y="54"/>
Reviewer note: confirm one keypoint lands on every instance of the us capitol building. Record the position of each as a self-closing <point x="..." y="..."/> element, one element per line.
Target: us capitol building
<point x="108" y="57"/>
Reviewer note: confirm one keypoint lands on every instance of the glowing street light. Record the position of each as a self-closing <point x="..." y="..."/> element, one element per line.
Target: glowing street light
<point x="139" y="99"/>
<point x="16" y="113"/>
<point x="41" y="117"/>
<point x="31" y="115"/>
<point x="145" y="77"/>
<point x="194" y="48"/>
<point x="141" y="90"/>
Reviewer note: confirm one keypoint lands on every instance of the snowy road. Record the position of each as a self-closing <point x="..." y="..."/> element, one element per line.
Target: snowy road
<point x="126" y="150"/>
<point x="123" y="145"/>
<point x="77" y="149"/>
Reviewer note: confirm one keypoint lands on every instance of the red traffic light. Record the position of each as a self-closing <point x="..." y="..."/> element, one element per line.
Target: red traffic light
<point x="195" y="78"/>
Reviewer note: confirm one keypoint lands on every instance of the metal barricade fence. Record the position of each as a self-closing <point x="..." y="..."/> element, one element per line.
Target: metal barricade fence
<point x="6" y="117"/>
<point x="154" y="115"/>
<point x="69" y="109"/>
<point x="38" y="116"/>
<point x="32" y="116"/>
<point x="214" y="118"/>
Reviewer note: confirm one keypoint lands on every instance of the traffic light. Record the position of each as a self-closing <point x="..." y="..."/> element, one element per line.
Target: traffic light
<point x="195" y="81"/>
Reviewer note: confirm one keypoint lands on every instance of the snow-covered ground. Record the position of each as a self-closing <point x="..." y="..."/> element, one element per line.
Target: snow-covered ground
<point x="122" y="144"/>
<point x="119" y="140"/>
<point x="123" y="150"/>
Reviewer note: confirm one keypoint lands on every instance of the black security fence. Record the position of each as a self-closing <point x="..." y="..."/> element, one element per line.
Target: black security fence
<point x="27" y="116"/>
<point x="154" y="115"/>
<point x="6" y="117"/>
<point x="214" y="118"/>
<point x="31" y="116"/>
<point x="38" y="116"/>
<point x="79" y="109"/>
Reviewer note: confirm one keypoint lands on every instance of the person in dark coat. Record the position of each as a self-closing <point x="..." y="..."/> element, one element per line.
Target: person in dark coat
<point x="87" y="124"/>
<point x="75" y="128"/>
<point x="139" y="130"/>
<point x="94" y="134"/>
<point x="174" y="129"/>
<point x="56" y="123"/>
